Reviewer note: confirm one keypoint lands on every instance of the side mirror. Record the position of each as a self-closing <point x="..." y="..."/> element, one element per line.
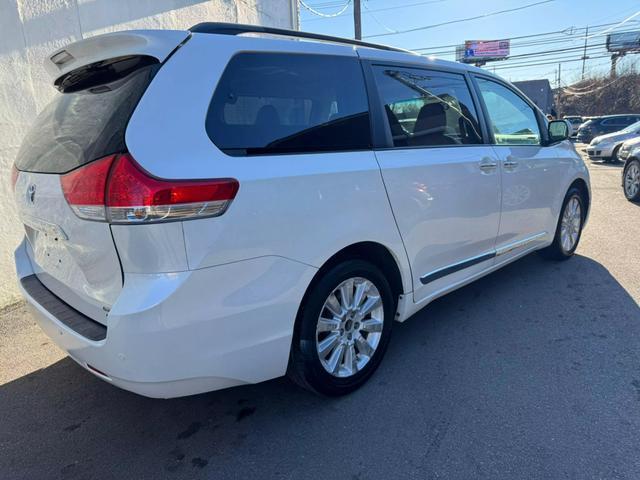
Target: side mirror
<point x="558" y="131"/>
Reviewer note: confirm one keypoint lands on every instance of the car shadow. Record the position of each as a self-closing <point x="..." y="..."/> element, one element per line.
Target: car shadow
<point x="491" y="372"/>
<point x="607" y="164"/>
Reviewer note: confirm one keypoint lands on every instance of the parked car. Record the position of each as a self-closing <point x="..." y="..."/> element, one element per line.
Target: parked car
<point x="630" y="155"/>
<point x="206" y="209"/>
<point x="597" y="126"/>
<point x="627" y="147"/>
<point x="575" y="122"/>
<point x="606" y="147"/>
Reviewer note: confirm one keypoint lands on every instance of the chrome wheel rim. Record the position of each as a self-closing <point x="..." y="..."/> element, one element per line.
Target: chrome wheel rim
<point x="632" y="180"/>
<point x="570" y="226"/>
<point x="349" y="327"/>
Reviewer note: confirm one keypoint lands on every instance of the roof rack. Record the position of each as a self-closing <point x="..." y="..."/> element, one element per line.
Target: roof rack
<point x="222" y="28"/>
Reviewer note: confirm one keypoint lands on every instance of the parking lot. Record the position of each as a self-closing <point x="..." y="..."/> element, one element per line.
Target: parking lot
<point x="531" y="372"/>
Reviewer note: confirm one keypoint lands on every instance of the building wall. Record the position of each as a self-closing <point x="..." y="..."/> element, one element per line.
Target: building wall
<point x="31" y="29"/>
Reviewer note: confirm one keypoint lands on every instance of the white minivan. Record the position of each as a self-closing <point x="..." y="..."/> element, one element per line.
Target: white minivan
<point x="230" y="204"/>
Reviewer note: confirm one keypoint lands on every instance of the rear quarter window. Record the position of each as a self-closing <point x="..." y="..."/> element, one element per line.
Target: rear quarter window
<point x="271" y="103"/>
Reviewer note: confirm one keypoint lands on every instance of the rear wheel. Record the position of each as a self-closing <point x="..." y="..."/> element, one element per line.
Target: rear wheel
<point x="631" y="180"/>
<point x="343" y="329"/>
<point x="569" y="228"/>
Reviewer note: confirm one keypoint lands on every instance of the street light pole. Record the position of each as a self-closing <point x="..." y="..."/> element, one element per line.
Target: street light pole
<point x="357" y="20"/>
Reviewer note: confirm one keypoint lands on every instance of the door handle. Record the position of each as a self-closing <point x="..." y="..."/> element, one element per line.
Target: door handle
<point x="488" y="164"/>
<point x="510" y="163"/>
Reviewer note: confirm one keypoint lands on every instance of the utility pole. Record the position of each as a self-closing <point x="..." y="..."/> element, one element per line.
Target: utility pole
<point x="559" y="89"/>
<point x="614" y="63"/>
<point x="357" y="19"/>
<point x="584" y="54"/>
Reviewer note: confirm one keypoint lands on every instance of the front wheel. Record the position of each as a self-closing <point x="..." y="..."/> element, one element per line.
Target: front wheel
<point x="342" y="329"/>
<point x="569" y="228"/>
<point x="614" y="156"/>
<point x="631" y="181"/>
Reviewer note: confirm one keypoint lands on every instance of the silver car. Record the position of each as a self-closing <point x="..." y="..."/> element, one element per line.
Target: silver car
<point x="630" y="155"/>
<point x="628" y="148"/>
<point x="607" y="147"/>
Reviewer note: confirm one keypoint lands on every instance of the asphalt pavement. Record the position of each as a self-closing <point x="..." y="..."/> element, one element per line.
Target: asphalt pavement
<point x="530" y="373"/>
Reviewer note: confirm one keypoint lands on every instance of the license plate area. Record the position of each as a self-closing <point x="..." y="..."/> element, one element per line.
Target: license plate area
<point x="47" y="242"/>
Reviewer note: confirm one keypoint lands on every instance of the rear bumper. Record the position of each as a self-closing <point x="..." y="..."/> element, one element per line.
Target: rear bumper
<point x="64" y="313"/>
<point x="176" y="334"/>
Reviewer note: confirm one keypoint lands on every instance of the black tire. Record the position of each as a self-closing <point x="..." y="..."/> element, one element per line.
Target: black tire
<point x="305" y="367"/>
<point x="556" y="251"/>
<point x="614" y="155"/>
<point x="629" y="195"/>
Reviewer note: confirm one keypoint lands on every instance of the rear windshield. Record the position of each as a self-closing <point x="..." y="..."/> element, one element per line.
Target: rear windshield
<point x="81" y="126"/>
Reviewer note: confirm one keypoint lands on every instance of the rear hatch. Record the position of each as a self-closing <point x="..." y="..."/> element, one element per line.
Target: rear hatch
<point x="76" y="257"/>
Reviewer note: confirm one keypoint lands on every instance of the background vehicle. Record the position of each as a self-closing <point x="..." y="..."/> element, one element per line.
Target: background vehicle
<point x="606" y="147"/>
<point x="269" y="216"/>
<point x="627" y="147"/>
<point x="603" y="125"/>
<point x="630" y="154"/>
<point x="575" y="122"/>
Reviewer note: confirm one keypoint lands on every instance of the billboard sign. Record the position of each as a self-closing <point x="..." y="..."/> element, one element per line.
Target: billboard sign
<point x="623" y="41"/>
<point x="484" y="50"/>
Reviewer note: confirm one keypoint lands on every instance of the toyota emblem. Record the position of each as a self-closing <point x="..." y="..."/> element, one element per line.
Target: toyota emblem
<point x="31" y="193"/>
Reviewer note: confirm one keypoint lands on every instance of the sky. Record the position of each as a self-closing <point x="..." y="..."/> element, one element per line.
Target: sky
<point x="568" y="18"/>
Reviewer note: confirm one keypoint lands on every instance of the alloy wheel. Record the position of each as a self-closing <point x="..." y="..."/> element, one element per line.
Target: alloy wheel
<point x="571" y="223"/>
<point x="349" y="327"/>
<point x="632" y="180"/>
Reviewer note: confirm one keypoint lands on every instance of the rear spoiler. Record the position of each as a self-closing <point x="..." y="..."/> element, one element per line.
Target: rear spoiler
<point x="158" y="44"/>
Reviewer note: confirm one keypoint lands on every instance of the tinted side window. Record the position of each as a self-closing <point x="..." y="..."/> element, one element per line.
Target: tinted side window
<point x="618" y="121"/>
<point x="513" y="120"/>
<point x="268" y="103"/>
<point x="427" y="108"/>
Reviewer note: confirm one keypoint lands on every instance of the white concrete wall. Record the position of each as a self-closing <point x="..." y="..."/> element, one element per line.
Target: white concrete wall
<point x="30" y="29"/>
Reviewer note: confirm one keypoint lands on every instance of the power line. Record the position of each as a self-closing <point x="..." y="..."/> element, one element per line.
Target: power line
<point x="327" y="5"/>
<point x="550" y="56"/>
<point x="384" y="9"/>
<point x="554" y="52"/>
<point x="406" y="6"/>
<point x="324" y="15"/>
<point x="551" y="62"/>
<point x="518" y="45"/>
<point x="551" y="52"/>
<point x="616" y="26"/>
<point x="567" y="31"/>
<point x="426" y="27"/>
<point x="375" y="19"/>
<point x="561" y="44"/>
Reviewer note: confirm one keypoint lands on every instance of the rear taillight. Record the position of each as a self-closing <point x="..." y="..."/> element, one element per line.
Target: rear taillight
<point x="116" y="189"/>
<point x="84" y="188"/>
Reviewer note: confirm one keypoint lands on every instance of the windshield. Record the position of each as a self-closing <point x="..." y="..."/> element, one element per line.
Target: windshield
<point x="633" y="128"/>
